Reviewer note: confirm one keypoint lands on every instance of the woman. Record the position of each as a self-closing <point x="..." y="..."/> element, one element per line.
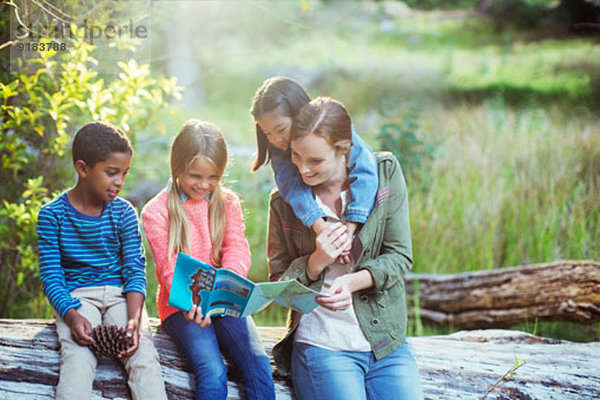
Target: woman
<point x="353" y="345"/>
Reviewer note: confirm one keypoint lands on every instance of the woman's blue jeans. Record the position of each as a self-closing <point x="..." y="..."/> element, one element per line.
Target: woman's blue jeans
<point x="318" y="373"/>
<point x="237" y="339"/>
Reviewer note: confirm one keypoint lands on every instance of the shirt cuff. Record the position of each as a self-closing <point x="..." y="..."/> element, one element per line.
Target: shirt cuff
<point x="62" y="310"/>
<point x="357" y="214"/>
<point x="309" y="220"/>
<point x="133" y="289"/>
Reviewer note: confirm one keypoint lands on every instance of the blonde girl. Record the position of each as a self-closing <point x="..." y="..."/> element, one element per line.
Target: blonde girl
<point x="195" y="215"/>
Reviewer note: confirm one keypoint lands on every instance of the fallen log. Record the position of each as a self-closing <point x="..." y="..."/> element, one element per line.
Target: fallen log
<point x="500" y="298"/>
<point x="29" y="364"/>
<point x="463" y="365"/>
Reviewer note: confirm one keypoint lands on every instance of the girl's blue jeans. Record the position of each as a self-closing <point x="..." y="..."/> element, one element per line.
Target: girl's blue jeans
<point x="318" y="373"/>
<point x="237" y="339"/>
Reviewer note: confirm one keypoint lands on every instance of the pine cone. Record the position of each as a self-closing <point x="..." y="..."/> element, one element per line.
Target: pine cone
<point x="109" y="340"/>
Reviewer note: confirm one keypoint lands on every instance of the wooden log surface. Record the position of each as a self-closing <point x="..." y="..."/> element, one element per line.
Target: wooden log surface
<point x="561" y="290"/>
<point x="458" y="366"/>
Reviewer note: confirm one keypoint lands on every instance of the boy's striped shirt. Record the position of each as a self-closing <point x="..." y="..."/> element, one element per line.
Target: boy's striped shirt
<point x="78" y="250"/>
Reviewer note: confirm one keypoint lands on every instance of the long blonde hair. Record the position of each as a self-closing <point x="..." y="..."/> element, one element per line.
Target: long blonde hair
<point x="196" y="139"/>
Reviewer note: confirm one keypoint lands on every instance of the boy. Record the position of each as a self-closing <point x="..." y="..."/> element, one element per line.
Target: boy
<point x="92" y="266"/>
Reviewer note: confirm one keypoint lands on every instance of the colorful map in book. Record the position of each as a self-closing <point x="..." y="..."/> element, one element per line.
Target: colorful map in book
<point x="220" y="291"/>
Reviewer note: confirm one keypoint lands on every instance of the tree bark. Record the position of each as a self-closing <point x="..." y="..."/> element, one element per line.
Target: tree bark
<point x="561" y="290"/>
<point x="463" y="365"/>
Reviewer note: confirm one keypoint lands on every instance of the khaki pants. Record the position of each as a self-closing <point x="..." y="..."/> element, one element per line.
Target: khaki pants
<point x="106" y="304"/>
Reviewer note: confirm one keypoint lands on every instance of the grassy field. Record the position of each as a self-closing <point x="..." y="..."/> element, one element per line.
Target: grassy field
<point x="498" y="133"/>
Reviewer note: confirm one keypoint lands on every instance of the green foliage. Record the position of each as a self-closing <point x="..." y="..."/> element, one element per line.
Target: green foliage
<point x="273" y="315"/>
<point x="253" y="190"/>
<point x="520" y="14"/>
<point x="18" y="237"/>
<point x="507" y="376"/>
<point x="570" y="331"/>
<point x="402" y="140"/>
<point x="440" y="4"/>
<point x="40" y="112"/>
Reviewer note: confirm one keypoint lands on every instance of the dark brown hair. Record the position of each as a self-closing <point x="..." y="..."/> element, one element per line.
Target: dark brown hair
<point x="96" y="141"/>
<point x="283" y="94"/>
<point x="327" y="118"/>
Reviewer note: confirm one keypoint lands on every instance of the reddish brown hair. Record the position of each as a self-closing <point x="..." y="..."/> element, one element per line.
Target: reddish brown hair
<point x="327" y="118"/>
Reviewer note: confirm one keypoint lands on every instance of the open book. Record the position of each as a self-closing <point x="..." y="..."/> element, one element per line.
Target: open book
<point x="220" y="291"/>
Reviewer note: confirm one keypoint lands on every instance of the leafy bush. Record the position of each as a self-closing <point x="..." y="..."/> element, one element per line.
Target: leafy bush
<point x="39" y="113"/>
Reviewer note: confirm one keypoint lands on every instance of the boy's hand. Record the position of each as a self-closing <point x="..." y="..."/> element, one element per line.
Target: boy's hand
<point x="81" y="328"/>
<point x="132" y="333"/>
<point x="135" y="305"/>
<point x="195" y="316"/>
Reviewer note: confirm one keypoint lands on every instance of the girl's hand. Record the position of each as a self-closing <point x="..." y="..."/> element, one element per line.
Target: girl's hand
<point x="195" y="316"/>
<point x="132" y="332"/>
<point x="344" y="257"/>
<point x="81" y="328"/>
<point x="319" y="225"/>
<point x="339" y="295"/>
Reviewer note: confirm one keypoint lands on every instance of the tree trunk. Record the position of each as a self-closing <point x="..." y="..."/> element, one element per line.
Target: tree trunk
<point x="463" y="365"/>
<point x="562" y="290"/>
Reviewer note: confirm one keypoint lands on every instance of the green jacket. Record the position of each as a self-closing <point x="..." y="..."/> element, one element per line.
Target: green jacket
<point x="383" y="248"/>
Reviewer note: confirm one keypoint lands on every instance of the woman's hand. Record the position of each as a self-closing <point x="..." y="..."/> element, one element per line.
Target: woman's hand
<point x="339" y="295"/>
<point x="195" y="316"/>
<point x="329" y="245"/>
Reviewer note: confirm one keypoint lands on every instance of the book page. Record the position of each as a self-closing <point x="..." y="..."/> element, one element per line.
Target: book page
<point x="192" y="282"/>
<point x="230" y="294"/>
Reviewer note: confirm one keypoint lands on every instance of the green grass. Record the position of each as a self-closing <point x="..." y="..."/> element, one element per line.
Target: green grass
<point x="506" y="189"/>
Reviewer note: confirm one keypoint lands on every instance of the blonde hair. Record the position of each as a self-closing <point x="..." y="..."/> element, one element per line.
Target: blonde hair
<point x="197" y="140"/>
